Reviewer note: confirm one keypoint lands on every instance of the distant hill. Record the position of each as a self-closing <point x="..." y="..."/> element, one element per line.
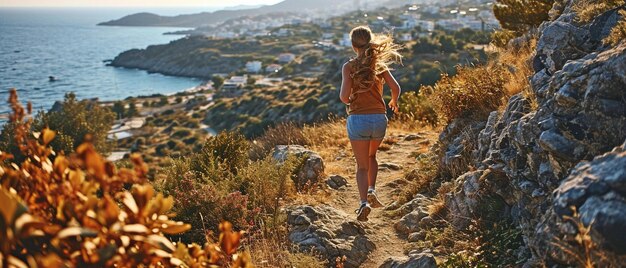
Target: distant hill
<point x="321" y="7"/>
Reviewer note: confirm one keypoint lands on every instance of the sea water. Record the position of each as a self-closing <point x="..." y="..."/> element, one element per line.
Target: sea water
<point x="66" y="44"/>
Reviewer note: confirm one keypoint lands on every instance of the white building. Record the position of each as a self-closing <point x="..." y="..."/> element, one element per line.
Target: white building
<point x="406" y="37"/>
<point x="235" y="82"/>
<point x="253" y="66"/>
<point x="272" y="68"/>
<point x="286" y="57"/>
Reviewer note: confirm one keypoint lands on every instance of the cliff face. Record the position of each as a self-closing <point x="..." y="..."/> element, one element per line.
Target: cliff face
<point x="536" y="162"/>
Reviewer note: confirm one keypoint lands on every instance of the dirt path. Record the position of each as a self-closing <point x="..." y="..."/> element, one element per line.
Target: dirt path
<point x="380" y="228"/>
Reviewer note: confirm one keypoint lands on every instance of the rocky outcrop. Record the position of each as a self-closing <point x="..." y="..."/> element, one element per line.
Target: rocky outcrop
<point x="310" y="166"/>
<point x="593" y="196"/>
<point x="529" y="159"/>
<point x="414" y="260"/>
<point x="327" y="232"/>
<point x="189" y="56"/>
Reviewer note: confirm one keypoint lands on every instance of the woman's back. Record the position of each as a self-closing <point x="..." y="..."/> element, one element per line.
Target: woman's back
<point x="370" y="102"/>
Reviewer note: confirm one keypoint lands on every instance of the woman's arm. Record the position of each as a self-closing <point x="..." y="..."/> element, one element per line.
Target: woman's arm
<point x="395" y="90"/>
<point x="346" y="84"/>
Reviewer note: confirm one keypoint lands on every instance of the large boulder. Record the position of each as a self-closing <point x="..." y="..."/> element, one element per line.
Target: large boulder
<point x="328" y="232"/>
<point x="310" y="166"/>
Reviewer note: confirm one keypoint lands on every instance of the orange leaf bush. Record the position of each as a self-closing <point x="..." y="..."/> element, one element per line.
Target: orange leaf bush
<point x="81" y="211"/>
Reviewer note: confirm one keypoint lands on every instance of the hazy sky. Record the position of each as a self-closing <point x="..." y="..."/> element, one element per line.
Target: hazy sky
<point x="135" y="3"/>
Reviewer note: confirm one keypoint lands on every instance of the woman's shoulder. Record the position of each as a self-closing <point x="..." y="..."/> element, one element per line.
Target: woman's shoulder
<point x="348" y="65"/>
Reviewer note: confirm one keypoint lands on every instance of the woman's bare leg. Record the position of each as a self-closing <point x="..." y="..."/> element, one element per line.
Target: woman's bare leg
<point x="361" y="154"/>
<point x="373" y="163"/>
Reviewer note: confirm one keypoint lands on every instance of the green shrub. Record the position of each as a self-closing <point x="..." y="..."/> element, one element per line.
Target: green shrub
<point x="162" y="150"/>
<point x="119" y="109"/>
<point x="227" y="150"/>
<point x="191" y="140"/>
<point x="77" y="122"/>
<point x="132" y="110"/>
<point x="204" y="207"/>
<point x="181" y="133"/>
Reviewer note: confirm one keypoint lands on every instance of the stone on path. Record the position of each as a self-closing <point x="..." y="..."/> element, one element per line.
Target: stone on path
<point x="329" y="232"/>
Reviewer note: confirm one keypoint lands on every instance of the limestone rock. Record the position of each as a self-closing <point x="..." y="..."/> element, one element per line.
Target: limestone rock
<point x="409" y="223"/>
<point x="336" y="182"/>
<point x="596" y="191"/>
<point x="311" y="168"/>
<point x="330" y="233"/>
<point x="415" y="260"/>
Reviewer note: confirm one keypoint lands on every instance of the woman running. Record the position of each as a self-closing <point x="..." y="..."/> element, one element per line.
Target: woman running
<point x="362" y="91"/>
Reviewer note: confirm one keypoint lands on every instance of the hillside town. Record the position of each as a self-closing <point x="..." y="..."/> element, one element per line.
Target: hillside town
<point x="418" y="20"/>
<point x="450" y="15"/>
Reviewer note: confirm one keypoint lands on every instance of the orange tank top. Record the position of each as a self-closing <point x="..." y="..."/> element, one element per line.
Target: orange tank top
<point x="370" y="102"/>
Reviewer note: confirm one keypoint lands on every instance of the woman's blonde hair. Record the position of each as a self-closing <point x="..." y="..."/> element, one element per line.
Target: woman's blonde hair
<point x="377" y="53"/>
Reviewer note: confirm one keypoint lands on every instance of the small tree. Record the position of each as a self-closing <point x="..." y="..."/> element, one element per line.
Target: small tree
<point x="251" y="81"/>
<point x="119" y="109"/>
<point x="448" y="45"/>
<point x="218" y="81"/>
<point x="520" y="16"/>
<point x="132" y="110"/>
<point x="77" y="122"/>
<point x="163" y="101"/>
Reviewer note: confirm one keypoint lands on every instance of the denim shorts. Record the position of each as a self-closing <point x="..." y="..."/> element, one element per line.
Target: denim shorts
<point x="367" y="126"/>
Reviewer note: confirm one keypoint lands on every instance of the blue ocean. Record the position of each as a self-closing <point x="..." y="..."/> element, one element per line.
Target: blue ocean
<point x="66" y="44"/>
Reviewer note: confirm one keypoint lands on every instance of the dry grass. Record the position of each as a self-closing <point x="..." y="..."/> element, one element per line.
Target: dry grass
<point x="388" y="143"/>
<point x="472" y="92"/>
<point x="268" y="251"/>
<point x="406" y="122"/>
<point x="281" y="134"/>
<point x="587" y="10"/>
<point x="328" y="139"/>
<point x="518" y="63"/>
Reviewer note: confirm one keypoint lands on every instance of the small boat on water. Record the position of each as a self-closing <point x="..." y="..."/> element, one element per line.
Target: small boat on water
<point x="52" y="79"/>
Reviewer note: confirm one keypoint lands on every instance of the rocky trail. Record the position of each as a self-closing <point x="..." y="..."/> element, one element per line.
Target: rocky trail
<point x="331" y="228"/>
